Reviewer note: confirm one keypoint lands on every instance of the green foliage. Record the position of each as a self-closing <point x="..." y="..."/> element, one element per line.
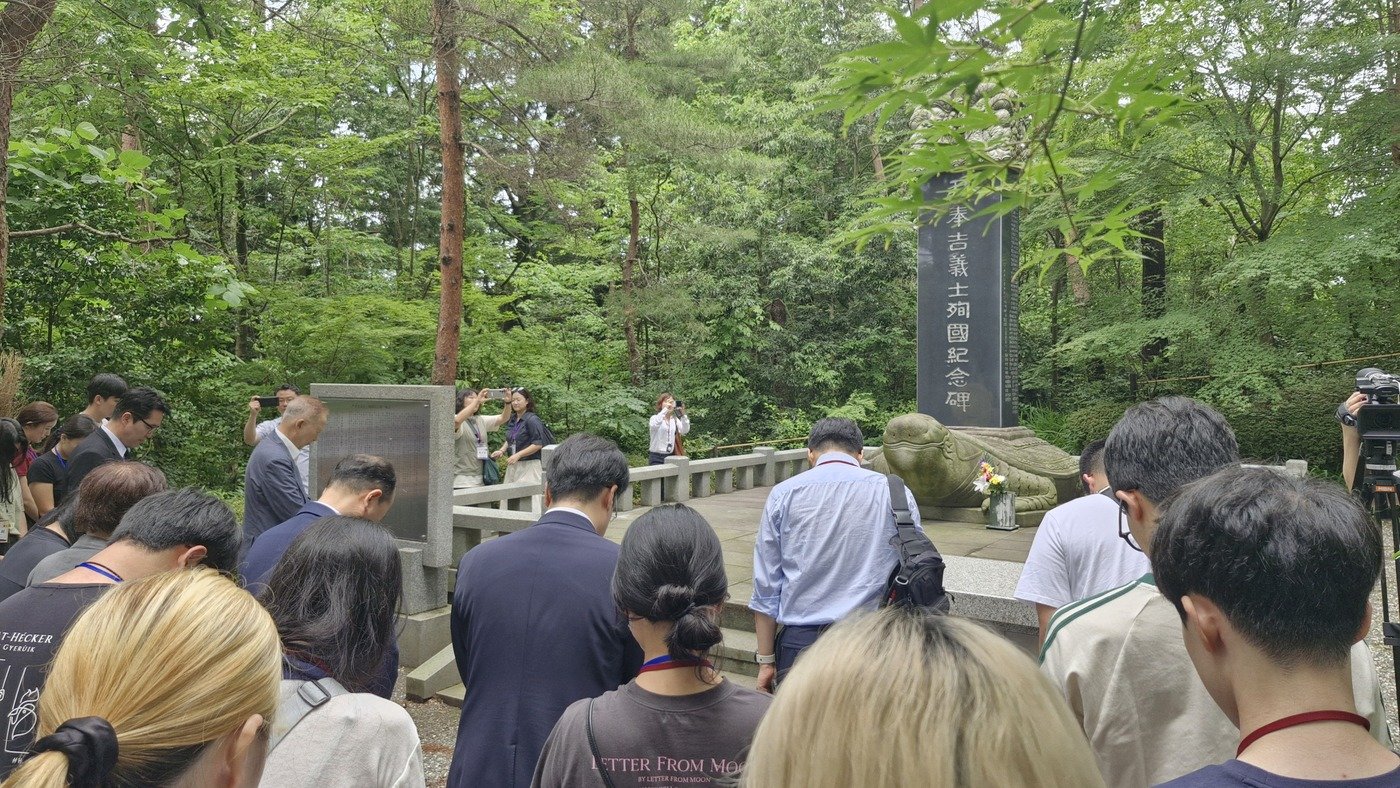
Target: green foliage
<point x="253" y="199"/>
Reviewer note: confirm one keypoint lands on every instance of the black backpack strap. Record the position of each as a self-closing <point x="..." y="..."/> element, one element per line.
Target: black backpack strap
<point x="593" y="746"/>
<point x="899" y="503"/>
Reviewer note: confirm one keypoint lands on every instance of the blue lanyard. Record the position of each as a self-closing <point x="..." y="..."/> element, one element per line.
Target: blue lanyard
<point x="666" y="662"/>
<point x="62" y="462"/>
<point x="101" y="570"/>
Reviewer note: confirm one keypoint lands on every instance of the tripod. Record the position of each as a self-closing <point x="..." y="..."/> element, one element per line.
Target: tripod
<point x="1376" y="484"/>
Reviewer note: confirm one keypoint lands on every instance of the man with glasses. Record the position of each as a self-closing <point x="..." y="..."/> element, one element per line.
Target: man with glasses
<point x="1118" y="657"/>
<point x="139" y="413"/>
<point x="1076" y="552"/>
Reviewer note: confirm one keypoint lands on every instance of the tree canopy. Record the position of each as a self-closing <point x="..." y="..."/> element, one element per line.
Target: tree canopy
<point x="711" y="197"/>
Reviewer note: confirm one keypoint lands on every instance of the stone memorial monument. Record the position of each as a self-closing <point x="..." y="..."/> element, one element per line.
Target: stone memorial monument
<point x="968" y="351"/>
<point x="411" y="427"/>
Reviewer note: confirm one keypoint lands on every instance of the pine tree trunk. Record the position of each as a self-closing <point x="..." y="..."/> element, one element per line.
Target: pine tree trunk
<point x="20" y="24"/>
<point x="629" y="267"/>
<point x="449" y="105"/>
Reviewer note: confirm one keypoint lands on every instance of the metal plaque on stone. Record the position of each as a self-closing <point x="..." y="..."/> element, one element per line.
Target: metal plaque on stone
<point x="968" y="312"/>
<point x="411" y="427"/>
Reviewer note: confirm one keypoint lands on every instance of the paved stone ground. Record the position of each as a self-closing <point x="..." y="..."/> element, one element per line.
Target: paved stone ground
<point x="735" y="519"/>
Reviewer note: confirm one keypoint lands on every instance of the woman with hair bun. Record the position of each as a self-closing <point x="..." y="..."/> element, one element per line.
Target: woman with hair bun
<point x="165" y="682"/>
<point x="679" y="720"/>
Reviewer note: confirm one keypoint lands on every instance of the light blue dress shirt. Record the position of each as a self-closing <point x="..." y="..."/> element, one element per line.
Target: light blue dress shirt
<point x="823" y="548"/>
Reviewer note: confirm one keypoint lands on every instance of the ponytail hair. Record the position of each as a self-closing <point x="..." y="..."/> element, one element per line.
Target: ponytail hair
<point x="671" y="568"/>
<point x="148" y="677"/>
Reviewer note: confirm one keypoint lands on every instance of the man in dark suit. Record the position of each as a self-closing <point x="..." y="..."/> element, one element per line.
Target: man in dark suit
<point x="272" y="491"/>
<point x="534" y="626"/>
<point x="139" y="413"/>
<point x="361" y="485"/>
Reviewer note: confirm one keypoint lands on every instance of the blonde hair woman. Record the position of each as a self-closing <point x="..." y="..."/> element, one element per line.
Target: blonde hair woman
<point x="902" y="697"/>
<point x="169" y="681"/>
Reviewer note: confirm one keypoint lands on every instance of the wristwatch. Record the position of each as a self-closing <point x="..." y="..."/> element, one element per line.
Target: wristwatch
<point x="765" y="659"/>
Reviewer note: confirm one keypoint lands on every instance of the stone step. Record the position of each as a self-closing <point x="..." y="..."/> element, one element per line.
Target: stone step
<point x="736" y="615"/>
<point x="735" y="653"/>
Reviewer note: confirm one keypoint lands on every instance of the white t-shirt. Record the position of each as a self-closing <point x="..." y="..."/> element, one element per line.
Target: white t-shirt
<point x="1077" y="553"/>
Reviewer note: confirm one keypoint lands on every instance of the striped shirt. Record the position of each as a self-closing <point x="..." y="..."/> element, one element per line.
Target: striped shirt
<point x="1119" y="659"/>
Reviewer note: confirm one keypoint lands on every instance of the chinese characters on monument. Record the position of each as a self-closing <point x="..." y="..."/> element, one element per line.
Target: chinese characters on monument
<point x="967" y="313"/>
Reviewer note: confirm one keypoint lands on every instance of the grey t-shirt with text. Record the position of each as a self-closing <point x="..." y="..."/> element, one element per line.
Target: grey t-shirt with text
<point x="659" y="741"/>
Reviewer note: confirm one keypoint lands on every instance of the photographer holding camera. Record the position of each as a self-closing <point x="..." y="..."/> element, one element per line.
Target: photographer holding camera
<point x="667" y="425"/>
<point x="1373" y="387"/>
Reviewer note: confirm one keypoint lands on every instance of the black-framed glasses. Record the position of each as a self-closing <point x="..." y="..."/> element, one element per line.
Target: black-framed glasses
<point x="1124" y="532"/>
<point x="149" y="426"/>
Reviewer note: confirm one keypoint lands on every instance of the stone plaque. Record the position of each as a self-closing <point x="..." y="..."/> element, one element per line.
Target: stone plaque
<point x="968" y="313"/>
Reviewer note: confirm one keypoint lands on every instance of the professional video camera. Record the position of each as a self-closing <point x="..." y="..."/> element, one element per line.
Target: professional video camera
<point x="1380" y="388"/>
<point x="1378" y="424"/>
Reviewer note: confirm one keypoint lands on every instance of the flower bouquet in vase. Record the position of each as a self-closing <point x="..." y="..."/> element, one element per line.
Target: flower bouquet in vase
<point x="1001" y="502"/>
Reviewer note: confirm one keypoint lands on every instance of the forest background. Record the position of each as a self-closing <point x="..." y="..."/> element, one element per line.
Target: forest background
<point x="713" y="198"/>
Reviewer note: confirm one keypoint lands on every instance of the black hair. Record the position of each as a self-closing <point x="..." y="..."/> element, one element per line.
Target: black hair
<point x="462" y="396"/>
<point x="110" y="490"/>
<point x="184" y="517"/>
<point x="365" y="472"/>
<point x="141" y="403"/>
<point x="104" y="385"/>
<point x="1290" y="561"/>
<point x="75" y="427"/>
<point x="333" y="597"/>
<point x="842" y="434"/>
<point x="1162" y="445"/>
<point x="288" y="387"/>
<point x="61" y="514"/>
<point x="1090" y="462"/>
<point x="671" y="568"/>
<point x="529" y="400"/>
<point x="585" y="465"/>
<point x="12" y="445"/>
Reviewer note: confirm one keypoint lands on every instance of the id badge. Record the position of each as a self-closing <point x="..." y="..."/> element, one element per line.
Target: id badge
<point x="482" y="454"/>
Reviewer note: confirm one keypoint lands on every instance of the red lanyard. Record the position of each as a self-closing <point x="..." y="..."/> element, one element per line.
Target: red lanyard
<point x="667" y="662"/>
<point x="1302" y="719"/>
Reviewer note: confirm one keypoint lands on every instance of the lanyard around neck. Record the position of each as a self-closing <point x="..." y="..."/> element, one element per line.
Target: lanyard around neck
<point x="668" y="662"/>
<point x="93" y="566"/>
<point x="1301" y="719"/>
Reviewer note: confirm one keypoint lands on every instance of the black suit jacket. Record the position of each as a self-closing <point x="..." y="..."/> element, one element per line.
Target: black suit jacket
<point x="534" y="628"/>
<point x="96" y="449"/>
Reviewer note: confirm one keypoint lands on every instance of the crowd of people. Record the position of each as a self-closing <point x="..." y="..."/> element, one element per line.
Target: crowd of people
<point x="1201" y="623"/>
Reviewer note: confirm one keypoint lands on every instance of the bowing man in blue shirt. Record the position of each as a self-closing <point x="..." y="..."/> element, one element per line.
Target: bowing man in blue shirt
<point x="823" y="548"/>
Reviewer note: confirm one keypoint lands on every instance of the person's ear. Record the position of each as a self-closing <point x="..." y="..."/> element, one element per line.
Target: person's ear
<point x="1134" y="503"/>
<point x="191" y="556"/>
<point x="548" y="496"/>
<point x="812" y="458"/>
<point x="610" y="498"/>
<point x="1365" y="625"/>
<point x="368" y="500"/>
<point x="243" y="755"/>
<point x="1204" y="622"/>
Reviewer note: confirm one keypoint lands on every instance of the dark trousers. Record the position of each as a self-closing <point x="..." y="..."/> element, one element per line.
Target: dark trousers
<point x="658" y="458"/>
<point x="792" y="641"/>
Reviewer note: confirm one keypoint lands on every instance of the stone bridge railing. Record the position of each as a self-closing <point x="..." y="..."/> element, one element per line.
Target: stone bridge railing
<point x="502" y="508"/>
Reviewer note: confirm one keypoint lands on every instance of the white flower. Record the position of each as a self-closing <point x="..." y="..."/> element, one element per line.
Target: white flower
<point x="981" y="485"/>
